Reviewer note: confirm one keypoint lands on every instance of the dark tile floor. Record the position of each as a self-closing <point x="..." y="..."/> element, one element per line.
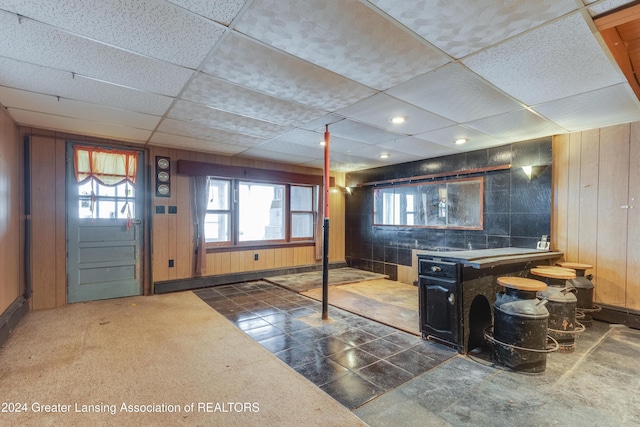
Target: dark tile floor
<point x="392" y="379"/>
<point x="351" y="358"/>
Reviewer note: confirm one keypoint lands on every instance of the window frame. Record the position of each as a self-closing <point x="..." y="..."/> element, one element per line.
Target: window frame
<point x="234" y="204"/>
<point x="218" y="211"/>
<point x="313" y="212"/>
<point x="382" y="192"/>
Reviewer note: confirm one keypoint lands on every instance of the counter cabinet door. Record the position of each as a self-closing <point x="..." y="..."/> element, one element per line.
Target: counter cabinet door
<point x="439" y="315"/>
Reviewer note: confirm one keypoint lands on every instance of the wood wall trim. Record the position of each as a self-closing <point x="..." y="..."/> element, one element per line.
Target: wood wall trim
<point x="191" y="168"/>
<point x="619" y="50"/>
<point x="619" y="17"/>
<point x="435" y="175"/>
<point x="619" y="29"/>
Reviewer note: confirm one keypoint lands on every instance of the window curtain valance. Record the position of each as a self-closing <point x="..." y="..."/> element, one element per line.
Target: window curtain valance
<point x="108" y="167"/>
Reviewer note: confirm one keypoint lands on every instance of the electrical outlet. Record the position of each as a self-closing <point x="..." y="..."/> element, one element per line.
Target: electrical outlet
<point x="159" y="209"/>
<point x="173" y="209"/>
<point x="170" y="263"/>
<point x="255" y="257"/>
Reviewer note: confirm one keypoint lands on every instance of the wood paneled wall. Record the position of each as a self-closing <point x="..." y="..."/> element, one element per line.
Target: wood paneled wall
<point x="48" y="214"/>
<point x="11" y="209"/>
<point x="173" y="234"/>
<point x="596" y="215"/>
<point x="48" y="223"/>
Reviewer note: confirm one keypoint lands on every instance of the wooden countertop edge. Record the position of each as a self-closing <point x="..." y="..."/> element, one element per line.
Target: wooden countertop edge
<point x="492" y="262"/>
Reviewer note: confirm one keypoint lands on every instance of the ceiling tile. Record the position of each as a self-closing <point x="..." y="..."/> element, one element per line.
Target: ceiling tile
<point x="312" y="140"/>
<point x="196" y="113"/>
<point x="159" y="30"/>
<point x="516" y="126"/>
<point x="198" y="131"/>
<point x="301" y="136"/>
<point x="343" y="162"/>
<point x="475" y="140"/>
<point x="606" y="6"/>
<point x="525" y="70"/>
<point x="552" y="62"/>
<point x="455" y="93"/>
<point x="321" y="122"/>
<point x="286" y="147"/>
<point x="186" y="143"/>
<point x="360" y="132"/>
<point x="378" y="110"/>
<point x="267" y="70"/>
<point x="18" y="99"/>
<point x="36" y="43"/>
<point x="600" y="108"/>
<point x="346" y="145"/>
<point x="222" y="11"/>
<point x="419" y="147"/>
<point x="256" y="153"/>
<point x="79" y="126"/>
<point x="343" y="36"/>
<point x="461" y="28"/>
<point x="393" y="155"/>
<point x="35" y="78"/>
<point x="222" y="95"/>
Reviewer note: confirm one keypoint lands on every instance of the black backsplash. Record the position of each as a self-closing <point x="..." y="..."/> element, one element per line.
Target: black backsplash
<point x="516" y="211"/>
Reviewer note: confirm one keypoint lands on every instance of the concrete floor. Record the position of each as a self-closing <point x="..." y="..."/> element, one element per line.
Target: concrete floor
<point x="175" y="349"/>
<point x="598" y="385"/>
<point x="157" y="356"/>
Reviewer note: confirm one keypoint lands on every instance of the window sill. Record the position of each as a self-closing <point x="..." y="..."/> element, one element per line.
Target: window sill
<point x="253" y="247"/>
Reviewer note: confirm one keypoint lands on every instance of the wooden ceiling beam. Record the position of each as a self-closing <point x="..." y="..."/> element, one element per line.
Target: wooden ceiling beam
<point x="620" y="52"/>
<point x="620" y="17"/>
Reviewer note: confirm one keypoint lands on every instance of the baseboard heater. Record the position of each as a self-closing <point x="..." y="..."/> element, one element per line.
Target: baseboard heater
<point x="11" y="317"/>
<point x="622" y="316"/>
<point x="227" y="279"/>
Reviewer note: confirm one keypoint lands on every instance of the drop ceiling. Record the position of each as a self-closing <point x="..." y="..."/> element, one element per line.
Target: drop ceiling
<point x="261" y="79"/>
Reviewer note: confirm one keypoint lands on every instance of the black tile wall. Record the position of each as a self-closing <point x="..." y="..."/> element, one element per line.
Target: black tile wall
<point x="516" y="211"/>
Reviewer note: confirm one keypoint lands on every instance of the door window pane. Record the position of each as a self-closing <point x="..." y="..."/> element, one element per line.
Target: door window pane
<point x="109" y="201"/>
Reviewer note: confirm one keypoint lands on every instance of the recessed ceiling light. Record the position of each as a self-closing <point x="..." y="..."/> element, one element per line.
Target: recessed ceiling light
<point x="398" y="119"/>
<point x="460" y="141"/>
<point x="384" y="156"/>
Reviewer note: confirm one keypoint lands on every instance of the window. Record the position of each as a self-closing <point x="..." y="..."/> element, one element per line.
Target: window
<point x="217" y="221"/>
<point x="261" y="208"/>
<point x="244" y="212"/>
<point x="302" y="212"/>
<point x="440" y="204"/>
<point x="107" y="201"/>
<point x="106" y="182"/>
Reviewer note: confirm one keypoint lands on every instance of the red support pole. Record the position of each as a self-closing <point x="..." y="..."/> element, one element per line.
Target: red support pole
<point x="325" y="240"/>
<point x="327" y="145"/>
